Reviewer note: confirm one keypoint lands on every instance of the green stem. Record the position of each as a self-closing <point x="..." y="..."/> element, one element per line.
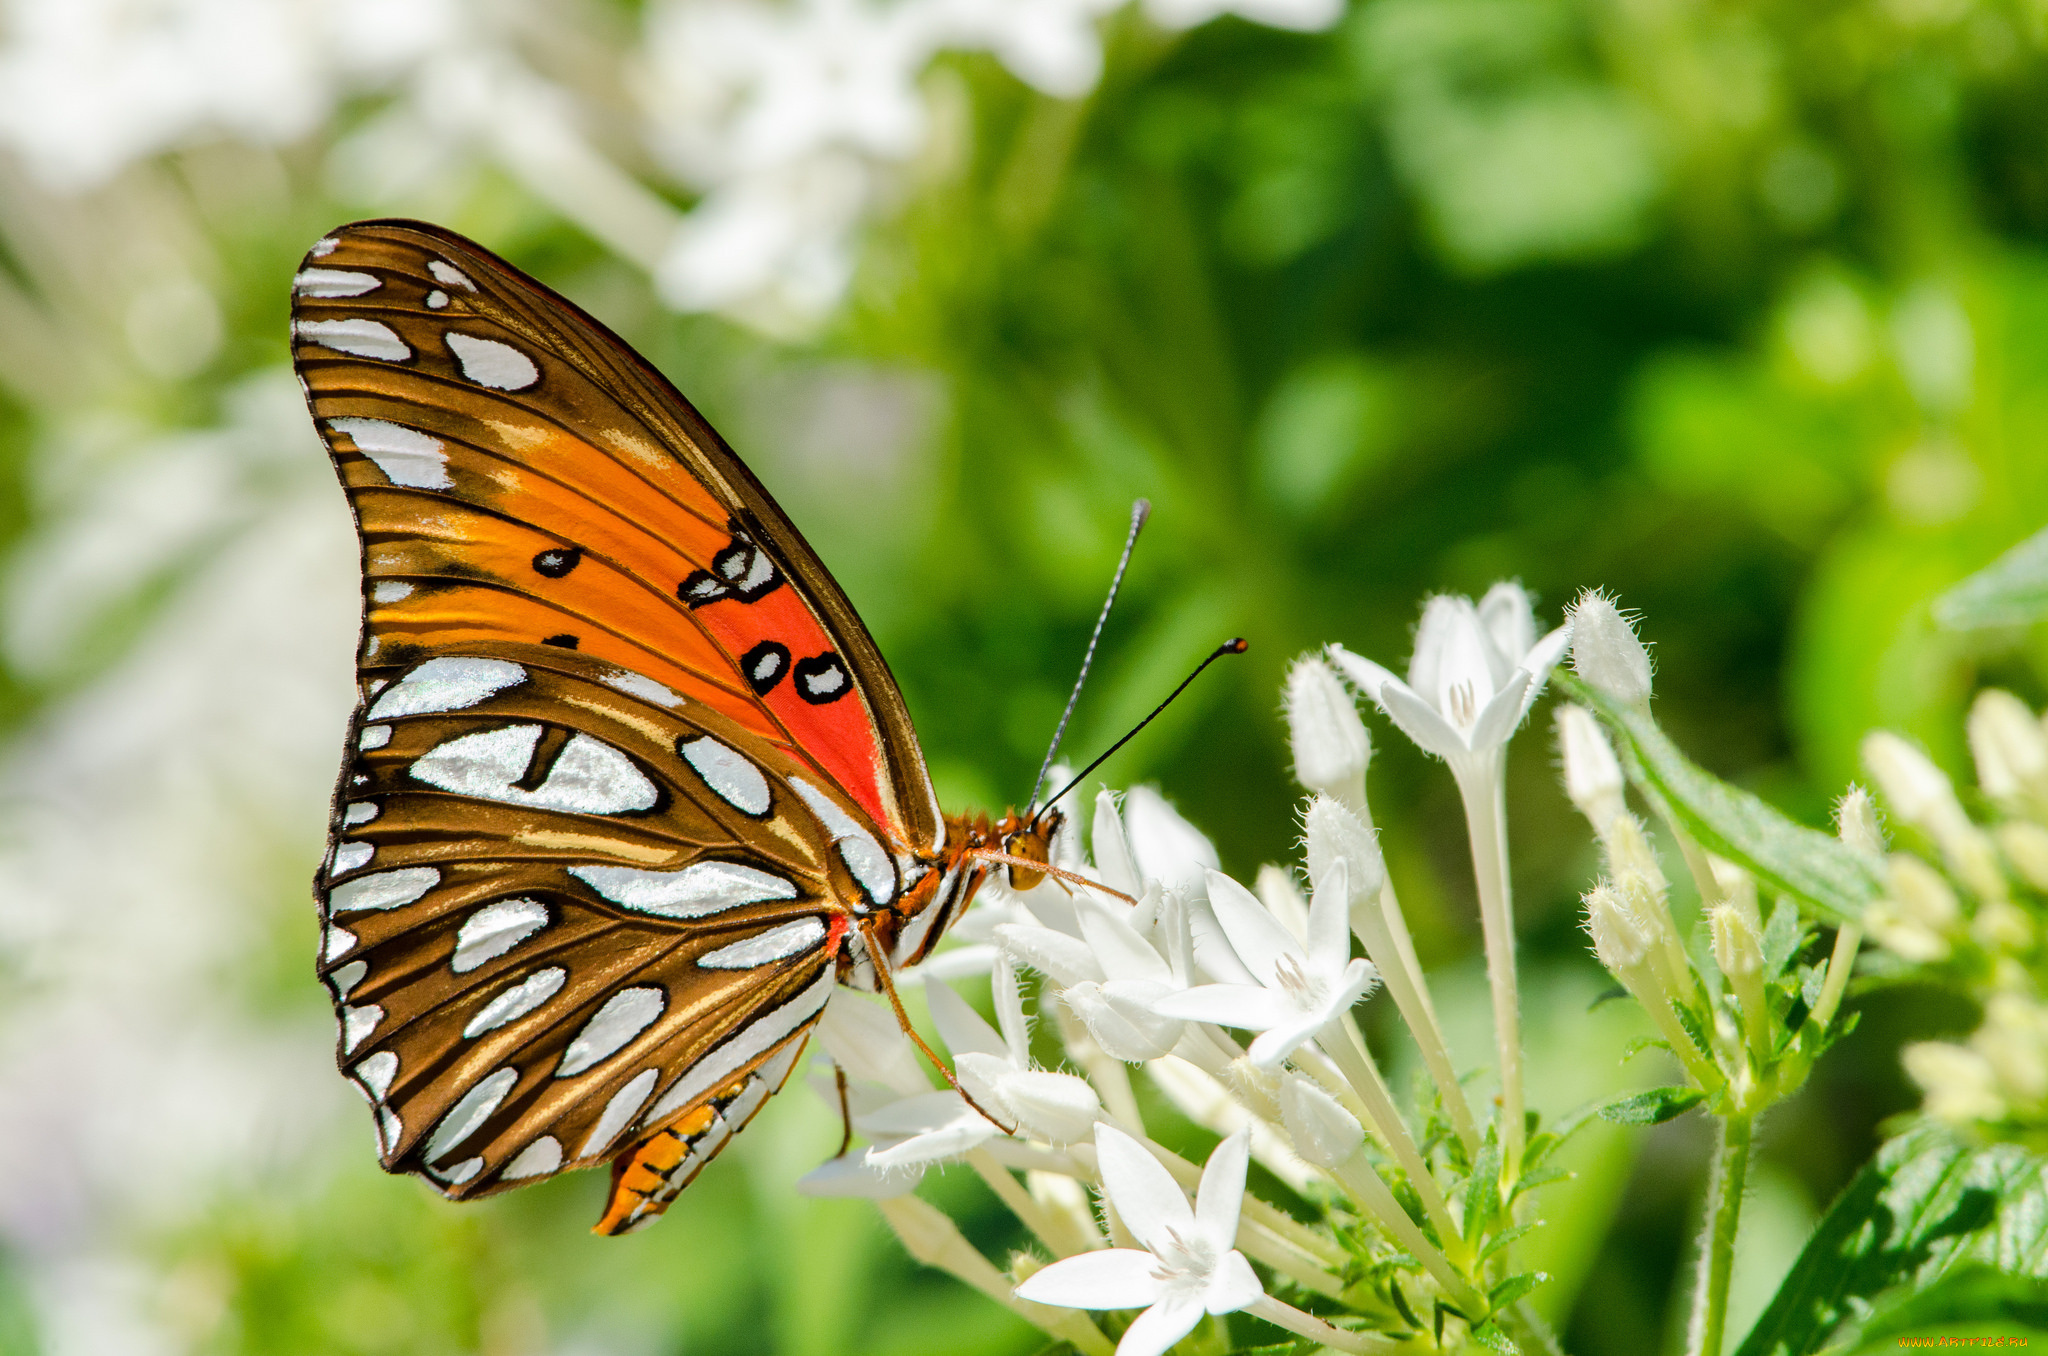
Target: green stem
<point x="1717" y="1252"/>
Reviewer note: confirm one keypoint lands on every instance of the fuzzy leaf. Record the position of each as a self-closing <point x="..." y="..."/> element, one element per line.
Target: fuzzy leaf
<point x="1925" y="1209"/>
<point x="2011" y="591"/>
<point x="1514" y="1287"/>
<point x="1782" y="936"/>
<point x="1651" y="1107"/>
<point x="1805" y="863"/>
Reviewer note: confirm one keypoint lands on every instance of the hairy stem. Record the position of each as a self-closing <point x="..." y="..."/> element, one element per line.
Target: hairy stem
<point x="1717" y="1244"/>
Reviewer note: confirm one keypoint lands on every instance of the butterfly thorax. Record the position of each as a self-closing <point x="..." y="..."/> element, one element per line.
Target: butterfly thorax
<point x="975" y="846"/>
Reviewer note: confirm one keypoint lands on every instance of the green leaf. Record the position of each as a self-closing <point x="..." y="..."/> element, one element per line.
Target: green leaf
<point x="1651" y="1107"/>
<point x="1782" y="936"/>
<point x="2011" y="591"/>
<point x="1970" y="1294"/>
<point x="1805" y="863"/>
<point x="1514" y="1288"/>
<point x="1926" y="1208"/>
<point x="1695" y="1029"/>
<point x="1490" y="1336"/>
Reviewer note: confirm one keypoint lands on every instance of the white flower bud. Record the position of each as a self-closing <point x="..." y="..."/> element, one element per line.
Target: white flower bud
<point x="1738" y="949"/>
<point x="2025" y="846"/>
<point x="2009" y="746"/>
<point x="1923" y="896"/>
<point x="1919" y="791"/>
<point x="1618" y="939"/>
<point x="1856" y="823"/>
<point x="2001" y="925"/>
<point x="1330" y="743"/>
<point x="1058" y="1108"/>
<point x="1960" y="1084"/>
<point x="1605" y="651"/>
<point x="1738" y="890"/>
<point x="1334" y="833"/>
<point x="1629" y="854"/>
<point x="1592" y="775"/>
<point x="1323" y="1132"/>
<point x="2014" y="1040"/>
<point x="1923" y="796"/>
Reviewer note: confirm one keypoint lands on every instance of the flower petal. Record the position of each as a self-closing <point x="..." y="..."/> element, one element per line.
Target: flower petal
<point x="1432" y="637"/>
<point x="1173" y="1317"/>
<point x="1421" y="722"/>
<point x="1165" y="846"/>
<point x="1501" y="715"/>
<point x="1329" y="917"/>
<point x="862" y="1037"/>
<point x="1247" y="1007"/>
<point x="918" y="1115"/>
<point x="1209" y="946"/>
<point x="1259" y="939"/>
<point x="1221" y="1195"/>
<point x="1112" y="851"/>
<point x="1010" y="1023"/>
<point x="1113" y="1278"/>
<point x="1272" y="1048"/>
<point x="853" y="1175"/>
<point x="961" y="1027"/>
<point x="1233" y="1285"/>
<point x="1121" y="1019"/>
<point x="1466" y="660"/>
<point x="1543" y="656"/>
<point x="1068" y="960"/>
<point x="1365" y="675"/>
<point x="1142" y="1191"/>
<point x="1508" y="618"/>
<point x="1119" y="950"/>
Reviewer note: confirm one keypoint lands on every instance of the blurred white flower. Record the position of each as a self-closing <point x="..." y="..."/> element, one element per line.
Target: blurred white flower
<point x="1301" y="985"/>
<point x="87" y="86"/>
<point x="1190" y="1264"/>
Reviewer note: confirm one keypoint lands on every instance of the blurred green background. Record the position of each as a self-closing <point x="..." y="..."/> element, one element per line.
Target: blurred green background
<point x="1738" y="310"/>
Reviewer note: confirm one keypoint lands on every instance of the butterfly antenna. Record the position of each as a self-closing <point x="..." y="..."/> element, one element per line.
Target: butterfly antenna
<point x="1238" y="645"/>
<point x="1140" y="511"/>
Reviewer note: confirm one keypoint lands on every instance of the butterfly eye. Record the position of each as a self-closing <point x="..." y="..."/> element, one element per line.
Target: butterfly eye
<point x="1033" y="842"/>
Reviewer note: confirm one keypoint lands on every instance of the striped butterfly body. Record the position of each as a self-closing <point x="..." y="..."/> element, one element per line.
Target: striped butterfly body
<point x="629" y="787"/>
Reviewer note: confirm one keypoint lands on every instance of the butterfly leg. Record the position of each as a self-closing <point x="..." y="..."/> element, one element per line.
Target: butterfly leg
<point x="845" y="1111"/>
<point x="881" y="960"/>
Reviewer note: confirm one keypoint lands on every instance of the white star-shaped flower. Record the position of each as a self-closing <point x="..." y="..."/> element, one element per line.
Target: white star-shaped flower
<point x="1475" y="673"/>
<point x="1190" y="1264"/>
<point x="1301" y="985"/>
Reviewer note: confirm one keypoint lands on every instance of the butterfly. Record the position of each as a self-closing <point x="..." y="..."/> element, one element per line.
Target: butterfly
<point x="629" y="787"/>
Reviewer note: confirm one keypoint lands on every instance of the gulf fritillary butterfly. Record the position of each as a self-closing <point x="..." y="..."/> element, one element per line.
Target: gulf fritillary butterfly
<point x="629" y="787"/>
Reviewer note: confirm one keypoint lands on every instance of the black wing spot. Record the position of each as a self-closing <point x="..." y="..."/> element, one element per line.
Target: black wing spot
<point x="764" y="666"/>
<point x="565" y="641"/>
<point x="557" y="561"/>
<point x="740" y="570"/>
<point x="822" y="679"/>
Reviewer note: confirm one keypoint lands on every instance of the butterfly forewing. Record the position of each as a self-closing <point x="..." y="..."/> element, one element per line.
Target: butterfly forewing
<point x="627" y="767"/>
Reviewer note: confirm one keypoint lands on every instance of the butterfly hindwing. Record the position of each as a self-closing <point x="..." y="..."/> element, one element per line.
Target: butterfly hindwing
<point x="549" y="940"/>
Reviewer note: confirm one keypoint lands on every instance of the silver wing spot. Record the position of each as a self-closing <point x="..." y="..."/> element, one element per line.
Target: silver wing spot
<point x="623" y="1017"/>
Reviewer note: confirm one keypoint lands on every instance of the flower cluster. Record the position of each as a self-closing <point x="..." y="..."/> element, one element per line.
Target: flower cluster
<point x="1966" y="898"/>
<point x="1236" y="1003"/>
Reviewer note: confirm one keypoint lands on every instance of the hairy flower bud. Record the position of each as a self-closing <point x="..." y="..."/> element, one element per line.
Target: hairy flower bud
<point x="1334" y="833"/>
<point x="1330" y="743"/>
<point x="1323" y="1132"/>
<point x="1856" y="823"/>
<point x="1592" y="775"/>
<point x="1923" y="796"/>
<point x="1605" y="651"/>
<point x="1738" y="949"/>
<point x="1618" y="939"/>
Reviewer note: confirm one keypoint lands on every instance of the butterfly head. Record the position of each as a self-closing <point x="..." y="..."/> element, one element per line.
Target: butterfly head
<point x="1030" y="839"/>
